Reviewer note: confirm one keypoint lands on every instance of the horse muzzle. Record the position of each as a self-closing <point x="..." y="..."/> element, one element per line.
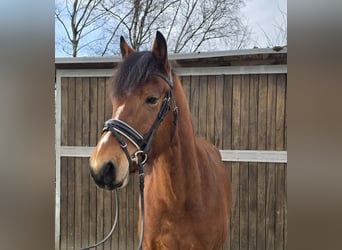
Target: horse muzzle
<point x="106" y="178"/>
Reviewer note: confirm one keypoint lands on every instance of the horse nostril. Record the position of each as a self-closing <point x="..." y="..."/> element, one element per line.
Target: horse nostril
<point x="108" y="173"/>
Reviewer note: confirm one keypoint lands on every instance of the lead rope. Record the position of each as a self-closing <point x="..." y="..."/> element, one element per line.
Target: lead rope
<point x="142" y="205"/>
<point x="142" y="202"/>
<point x="113" y="228"/>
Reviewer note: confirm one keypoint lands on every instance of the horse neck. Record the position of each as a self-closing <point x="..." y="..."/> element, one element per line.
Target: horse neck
<point x="175" y="173"/>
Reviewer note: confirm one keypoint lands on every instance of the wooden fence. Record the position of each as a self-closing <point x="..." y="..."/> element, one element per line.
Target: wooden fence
<point x="238" y="102"/>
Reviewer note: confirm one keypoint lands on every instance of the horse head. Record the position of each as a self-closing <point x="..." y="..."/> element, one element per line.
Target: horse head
<point x="141" y="98"/>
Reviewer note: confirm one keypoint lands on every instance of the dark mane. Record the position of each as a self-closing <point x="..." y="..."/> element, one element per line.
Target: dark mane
<point x="133" y="72"/>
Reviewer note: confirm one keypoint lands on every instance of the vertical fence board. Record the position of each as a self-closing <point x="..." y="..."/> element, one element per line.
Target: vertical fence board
<point x="78" y="164"/>
<point x="280" y="170"/>
<point x="252" y="167"/>
<point x="64" y="204"/>
<point x="235" y="181"/>
<point x="227" y="112"/>
<point x="71" y="164"/>
<point x="202" y="108"/>
<point x="210" y="104"/>
<point x="92" y="142"/>
<point x="261" y="173"/>
<point x="85" y="213"/>
<point x="85" y="203"/>
<point x="64" y="110"/>
<point x="71" y="203"/>
<point x="122" y="219"/>
<point x="93" y="111"/>
<point x="186" y="81"/>
<point x="108" y="216"/>
<point x="244" y="105"/>
<point x="271" y="169"/>
<point x="194" y="103"/>
<point x="115" y="237"/>
<point x="218" y="113"/>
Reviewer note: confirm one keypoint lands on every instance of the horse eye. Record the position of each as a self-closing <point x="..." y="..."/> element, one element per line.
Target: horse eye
<point x="151" y="100"/>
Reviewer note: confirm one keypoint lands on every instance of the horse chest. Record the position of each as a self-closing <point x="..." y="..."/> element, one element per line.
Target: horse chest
<point x="175" y="234"/>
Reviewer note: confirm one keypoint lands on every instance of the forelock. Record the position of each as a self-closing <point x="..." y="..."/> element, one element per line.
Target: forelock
<point x="133" y="72"/>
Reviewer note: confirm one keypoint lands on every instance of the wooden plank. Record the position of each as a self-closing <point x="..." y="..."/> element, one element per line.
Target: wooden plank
<point x="186" y="82"/>
<point x="78" y="203"/>
<point x="280" y="113"/>
<point x="235" y="210"/>
<point x="71" y="163"/>
<point x="78" y="163"/>
<point x="100" y="105"/>
<point x="252" y="167"/>
<point x="93" y="111"/>
<point x="235" y="181"/>
<point x="64" y="110"/>
<point x="114" y="242"/>
<point x="78" y="111"/>
<point x="85" y="111"/>
<point x="194" y="102"/>
<point x="85" y="207"/>
<point x="227" y="243"/>
<point x="92" y="212"/>
<point x="285" y="206"/>
<point x="107" y="216"/>
<point x="280" y="191"/>
<point x="226" y="155"/>
<point x="136" y="195"/>
<point x="285" y="125"/>
<point x="92" y="142"/>
<point x="227" y="112"/>
<point x="236" y="113"/>
<point x="244" y="112"/>
<point x="244" y="116"/>
<point x="71" y="111"/>
<point x="271" y="169"/>
<point x="232" y="70"/>
<point x="280" y="194"/>
<point x="218" y="113"/>
<point x="64" y="204"/>
<point x="123" y="219"/>
<point x="108" y="102"/>
<point x="261" y="167"/>
<point x="202" y="107"/>
<point x="271" y="112"/>
<point x="130" y="215"/>
<point x="210" y="104"/>
<point x="99" y="217"/>
<point x="71" y="203"/>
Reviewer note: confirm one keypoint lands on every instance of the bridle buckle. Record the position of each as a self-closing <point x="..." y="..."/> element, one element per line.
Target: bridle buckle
<point x="136" y="157"/>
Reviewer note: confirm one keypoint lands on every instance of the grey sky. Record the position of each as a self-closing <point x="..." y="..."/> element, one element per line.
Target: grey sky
<point x="263" y="15"/>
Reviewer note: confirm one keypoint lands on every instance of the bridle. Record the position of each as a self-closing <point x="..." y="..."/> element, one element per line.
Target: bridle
<point x="143" y="145"/>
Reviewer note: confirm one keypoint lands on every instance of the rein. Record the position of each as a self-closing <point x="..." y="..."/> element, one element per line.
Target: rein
<point x="143" y="144"/>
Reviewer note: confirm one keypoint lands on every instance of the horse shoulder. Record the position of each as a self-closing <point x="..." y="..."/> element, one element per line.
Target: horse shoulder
<point x="208" y="151"/>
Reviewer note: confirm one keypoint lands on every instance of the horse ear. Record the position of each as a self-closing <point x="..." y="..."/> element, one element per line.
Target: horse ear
<point x="126" y="50"/>
<point x="159" y="49"/>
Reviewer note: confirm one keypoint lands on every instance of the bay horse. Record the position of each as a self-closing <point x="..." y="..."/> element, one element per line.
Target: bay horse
<point x="187" y="189"/>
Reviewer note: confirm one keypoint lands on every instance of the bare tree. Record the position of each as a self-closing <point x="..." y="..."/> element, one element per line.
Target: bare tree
<point x="140" y="19"/>
<point x="203" y="21"/>
<point x="189" y="25"/>
<point x="80" y="19"/>
<point x="277" y="38"/>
